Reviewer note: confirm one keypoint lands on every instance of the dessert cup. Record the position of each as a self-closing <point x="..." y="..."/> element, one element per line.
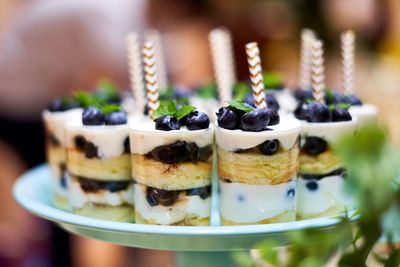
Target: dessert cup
<point x="172" y="174"/>
<point x="365" y="114"/>
<point x="98" y="160"/>
<point x="258" y="187"/>
<point x="320" y="189"/>
<point x="56" y="152"/>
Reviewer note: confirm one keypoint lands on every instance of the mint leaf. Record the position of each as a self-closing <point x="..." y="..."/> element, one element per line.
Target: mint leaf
<point x="106" y="109"/>
<point x="343" y="105"/>
<point x="273" y="80"/>
<point x="106" y="91"/>
<point x="240" y="106"/>
<point x="240" y="90"/>
<point x="207" y="91"/>
<point x="329" y="95"/>
<point x="183" y="111"/>
<point x="85" y="99"/>
<point x="166" y="108"/>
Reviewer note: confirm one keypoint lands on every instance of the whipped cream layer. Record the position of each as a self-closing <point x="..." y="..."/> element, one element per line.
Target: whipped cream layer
<point x="287" y="132"/>
<point x="109" y="139"/>
<point x="55" y="122"/>
<point x="78" y="198"/>
<point x="244" y="203"/>
<point x="329" y="131"/>
<point x="144" y="137"/>
<point x="186" y="205"/>
<point x="365" y="114"/>
<point x="329" y="193"/>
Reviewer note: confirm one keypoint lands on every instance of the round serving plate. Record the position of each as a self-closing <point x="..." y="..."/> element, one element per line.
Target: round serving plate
<point x="32" y="192"/>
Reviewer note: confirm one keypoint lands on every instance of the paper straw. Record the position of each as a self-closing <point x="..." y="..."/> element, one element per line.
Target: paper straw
<point x="317" y="71"/>
<point x="256" y="77"/>
<point x="135" y="70"/>
<point x="154" y="36"/>
<point x="348" y="44"/>
<point x="307" y="37"/>
<point x="150" y="75"/>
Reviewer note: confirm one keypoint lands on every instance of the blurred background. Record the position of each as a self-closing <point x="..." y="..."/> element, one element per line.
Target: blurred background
<point x="50" y="48"/>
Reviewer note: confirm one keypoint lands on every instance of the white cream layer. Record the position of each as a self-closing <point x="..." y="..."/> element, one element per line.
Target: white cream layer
<point x="193" y="205"/>
<point x="144" y="137"/>
<point x="244" y="203"/>
<point x="78" y="198"/>
<point x="287" y="132"/>
<point x="330" y="193"/>
<point x="365" y="114"/>
<point x="329" y="131"/>
<point x="109" y="139"/>
<point x="56" y="121"/>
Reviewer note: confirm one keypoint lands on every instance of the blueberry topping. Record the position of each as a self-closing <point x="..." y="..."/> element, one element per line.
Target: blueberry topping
<point x="340" y="114"/>
<point x="116" y="118"/>
<point x="170" y="154"/>
<point x="60" y="104"/>
<point x="202" y="192"/>
<point x="92" y="116"/>
<point x="127" y="145"/>
<point x="269" y="147"/>
<point x="353" y="100"/>
<point x="249" y="100"/>
<point x="337" y="172"/>
<point x="255" y="121"/>
<point x="56" y="105"/>
<point x="92" y="186"/>
<point x="312" y="185"/>
<point x="227" y="118"/>
<point x="290" y="193"/>
<point x="318" y="112"/>
<point x="240" y="198"/>
<point x="63" y="178"/>
<point x="271" y="101"/>
<point x="302" y="95"/>
<point x="167" y="123"/>
<point x="155" y="196"/>
<point x="88" y="148"/>
<point x="314" y="146"/>
<point x="192" y="151"/>
<point x="334" y="98"/>
<point x="197" y="121"/>
<point x="274" y="117"/>
<point x="301" y="111"/>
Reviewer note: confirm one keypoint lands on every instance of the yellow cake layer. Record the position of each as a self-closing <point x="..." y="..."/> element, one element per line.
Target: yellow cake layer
<point x="255" y="168"/>
<point x="56" y="154"/>
<point x="323" y="163"/>
<point x="332" y="211"/>
<point x="287" y="216"/>
<point x="106" y="169"/>
<point x="190" y="220"/>
<point x="60" y="202"/>
<point x="123" y="213"/>
<point x="181" y="176"/>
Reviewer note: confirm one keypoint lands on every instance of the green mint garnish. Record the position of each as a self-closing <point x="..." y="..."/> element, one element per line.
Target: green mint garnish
<point x="183" y="111"/>
<point x="343" y="105"/>
<point x="169" y="108"/>
<point x="309" y="101"/>
<point x="85" y="99"/>
<point x="240" y="106"/>
<point x="108" y="108"/>
<point x="207" y="91"/>
<point x="273" y="80"/>
<point x="240" y="90"/>
<point x="106" y="91"/>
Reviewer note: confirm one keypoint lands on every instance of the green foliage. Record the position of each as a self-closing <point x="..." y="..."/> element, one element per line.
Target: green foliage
<point x="86" y="99"/>
<point x="340" y="105"/>
<point x="106" y="91"/>
<point x="240" y="90"/>
<point x="108" y="108"/>
<point x="273" y="80"/>
<point x="169" y="107"/>
<point x="207" y="91"/>
<point x="240" y="106"/>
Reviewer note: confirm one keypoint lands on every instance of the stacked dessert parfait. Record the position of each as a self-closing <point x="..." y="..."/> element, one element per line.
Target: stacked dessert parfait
<point x="60" y="111"/>
<point x="257" y="158"/>
<point x="98" y="161"/>
<point x="171" y="166"/>
<point x="320" y="186"/>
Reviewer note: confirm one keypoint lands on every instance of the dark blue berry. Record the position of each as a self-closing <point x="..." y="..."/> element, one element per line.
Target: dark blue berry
<point x="155" y="196"/>
<point x="353" y="100"/>
<point x="255" y="121"/>
<point x="249" y="100"/>
<point x="334" y="98"/>
<point x="197" y="120"/>
<point x="340" y="114"/>
<point x="302" y="95"/>
<point x="240" y="198"/>
<point x="314" y="145"/>
<point x="116" y="118"/>
<point x="318" y="112"/>
<point x="301" y="111"/>
<point x="274" y="117"/>
<point x="269" y="147"/>
<point x="171" y="154"/>
<point x="291" y="193"/>
<point x="56" y="105"/>
<point x="92" y="116"/>
<point x="227" y="118"/>
<point x="312" y="185"/>
<point x="202" y="192"/>
<point x="167" y="123"/>
<point x="271" y="101"/>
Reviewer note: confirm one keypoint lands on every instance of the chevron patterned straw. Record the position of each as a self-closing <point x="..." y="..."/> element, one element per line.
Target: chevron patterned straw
<point x="223" y="62"/>
<point x="154" y="36"/>
<point x="135" y="70"/>
<point x="150" y="76"/>
<point x="256" y="77"/>
<point x="307" y="37"/>
<point x="347" y="39"/>
<point x="317" y="71"/>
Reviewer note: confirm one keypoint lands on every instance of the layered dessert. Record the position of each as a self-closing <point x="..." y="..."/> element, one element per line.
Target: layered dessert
<point x="98" y="160"/>
<point x="60" y="111"/>
<point x="320" y="186"/>
<point x="257" y="165"/>
<point x="171" y="166"/>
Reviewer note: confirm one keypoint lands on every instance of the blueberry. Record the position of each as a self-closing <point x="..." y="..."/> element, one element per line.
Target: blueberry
<point x="301" y="111"/>
<point x="205" y="153"/>
<point x="89" y="185"/>
<point x="151" y="199"/>
<point x="302" y="95"/>
<point x="240" y="198"/>
<point x="340" y="114"/>
<point x="314" y="146"/>
<point x="274" y="118"/>
<point x="87" y="147"/>
<point x="290" y="193"/>
<point x="249" y="100"/>
<point x="155" y="196"/>
<point x="318" y="112"/>
<point x="227" y="118"/>
<point x="80" y="142"/>
<point x="269" y="147"/>
<point x="167" y="123"/>
<point x="197" y="121"/>
<point x="202" y="192"/>
<point x="312" y="185"/>
<point x="192" y="151"/>
<point x="334" y="98"/>
<point x="271" y="101"/>
<point x="63" y="178"/>
<point x="353" y="100"/>
<point x="170" y="154"/>
<point x="127" y="145"/>
<point x="92" y="116"/>
<point x="56" y="105"/>
<point x="116" y="118"/>
<point x="255" y="121"/>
